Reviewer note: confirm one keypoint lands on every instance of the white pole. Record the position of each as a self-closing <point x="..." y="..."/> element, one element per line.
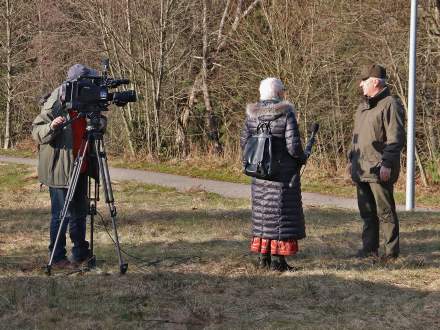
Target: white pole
<point x="410" y="173"/>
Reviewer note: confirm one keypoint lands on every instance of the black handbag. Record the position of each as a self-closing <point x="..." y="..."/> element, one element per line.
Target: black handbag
<point x="258" y="156"/>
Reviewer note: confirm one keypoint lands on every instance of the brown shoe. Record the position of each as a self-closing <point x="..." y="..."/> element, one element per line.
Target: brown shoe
<point x="78" y="263"/>
<point x="388" y="258"/>
<point x="64" y="264"/>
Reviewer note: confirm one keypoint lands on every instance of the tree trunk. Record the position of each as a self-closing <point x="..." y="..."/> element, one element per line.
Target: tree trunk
<point x="104" y="35"/>
<point x="146" y="99"/>
<point x="198" y="80"/>
<point x="211" y="124"/>
<point x="129" y="106"/>
<point x="40" y="48"/>
<point x="9" y="96"/>
<point x="157" y="79"/>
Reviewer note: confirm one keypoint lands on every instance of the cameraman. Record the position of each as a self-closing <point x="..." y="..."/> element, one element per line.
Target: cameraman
<point x="58" y="148"/>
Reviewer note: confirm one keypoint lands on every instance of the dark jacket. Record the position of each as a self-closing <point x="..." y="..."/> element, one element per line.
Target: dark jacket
<point x="277" y="211"/>
<point x="378" y="138"/>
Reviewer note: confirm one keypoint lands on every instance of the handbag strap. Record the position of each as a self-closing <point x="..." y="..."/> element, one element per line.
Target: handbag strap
<point x="264" y="126"/>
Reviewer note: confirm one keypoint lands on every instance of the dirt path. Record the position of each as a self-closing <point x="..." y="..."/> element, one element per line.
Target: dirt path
<point x="227" y="189"/>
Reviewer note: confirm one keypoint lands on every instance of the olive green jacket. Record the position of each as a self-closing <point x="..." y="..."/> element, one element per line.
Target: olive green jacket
<point x="378" y="138"/>
<point x="55" y="156"/>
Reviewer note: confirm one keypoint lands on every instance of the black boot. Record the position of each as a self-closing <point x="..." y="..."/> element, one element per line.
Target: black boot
<point x="264" y="261"/>
<point x="279" y="264"/>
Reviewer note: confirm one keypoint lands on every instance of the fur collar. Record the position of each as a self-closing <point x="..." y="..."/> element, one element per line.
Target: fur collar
<point x="255" y="110"/>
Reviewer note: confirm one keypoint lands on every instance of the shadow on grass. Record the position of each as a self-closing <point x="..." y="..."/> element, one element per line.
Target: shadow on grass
<point x="223" y="255"/>
<point x="183" y="283"/>
<point x="169" y="300"/>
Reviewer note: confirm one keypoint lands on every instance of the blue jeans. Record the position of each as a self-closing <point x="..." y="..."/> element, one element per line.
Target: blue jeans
<point x="75" y="218"/>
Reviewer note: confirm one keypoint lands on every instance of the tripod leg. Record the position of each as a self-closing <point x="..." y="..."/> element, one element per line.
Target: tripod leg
<point x="108" y="192"/>
<point x="73" y="180"/>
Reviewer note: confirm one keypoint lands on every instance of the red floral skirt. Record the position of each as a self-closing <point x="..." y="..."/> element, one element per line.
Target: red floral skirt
<point x="266" y="246"/>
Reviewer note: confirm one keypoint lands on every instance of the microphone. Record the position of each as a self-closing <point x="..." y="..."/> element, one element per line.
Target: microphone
<point x="117" y="82"/>
<point x="307" y="150"/>
<point x="123" y="81"/>
<point x="311" y="142"/>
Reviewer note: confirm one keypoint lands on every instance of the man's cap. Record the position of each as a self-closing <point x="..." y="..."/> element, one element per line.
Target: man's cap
<point x="373" y="71"/>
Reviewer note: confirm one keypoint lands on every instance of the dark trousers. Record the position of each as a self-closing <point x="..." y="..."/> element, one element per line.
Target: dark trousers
<point x="75" y="218"/>
<point x="376" y="205"/>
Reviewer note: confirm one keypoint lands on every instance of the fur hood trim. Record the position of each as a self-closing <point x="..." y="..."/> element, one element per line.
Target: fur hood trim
<point x="255" y="110"/>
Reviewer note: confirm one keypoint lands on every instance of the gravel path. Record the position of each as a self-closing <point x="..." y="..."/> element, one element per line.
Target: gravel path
<point x="227" y="189"/>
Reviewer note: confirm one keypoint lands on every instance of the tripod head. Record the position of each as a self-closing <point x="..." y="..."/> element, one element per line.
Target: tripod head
<point x="96" y="122"/>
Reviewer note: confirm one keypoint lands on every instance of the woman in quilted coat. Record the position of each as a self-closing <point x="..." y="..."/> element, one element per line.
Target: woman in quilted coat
<point x="277" y="213"/>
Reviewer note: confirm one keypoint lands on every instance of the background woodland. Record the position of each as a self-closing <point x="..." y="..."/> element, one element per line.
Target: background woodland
<point x="196" y="63"/>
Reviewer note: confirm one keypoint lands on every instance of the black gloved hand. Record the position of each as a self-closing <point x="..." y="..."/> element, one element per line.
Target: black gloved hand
<point x="303" y="159"/>
<point x="103" y="124"/>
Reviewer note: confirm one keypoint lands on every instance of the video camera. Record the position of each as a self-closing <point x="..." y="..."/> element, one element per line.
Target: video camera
<point x="91" y="93"/>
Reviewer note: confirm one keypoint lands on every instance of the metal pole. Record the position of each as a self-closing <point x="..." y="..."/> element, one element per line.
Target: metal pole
<point x="410" y="174"/>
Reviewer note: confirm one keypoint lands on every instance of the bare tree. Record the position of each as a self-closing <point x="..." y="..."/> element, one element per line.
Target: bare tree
<point x="17" y="35"/>
<point x="208" y="67"/>
<point x="195" y="63"/>
<point x="8" y="17"/>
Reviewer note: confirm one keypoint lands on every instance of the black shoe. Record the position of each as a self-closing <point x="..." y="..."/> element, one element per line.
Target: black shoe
<point x="362" y="254"/>
<point x="264" y="261"/>
<point x="80" y="253"/>
<point x="281" y="266"/>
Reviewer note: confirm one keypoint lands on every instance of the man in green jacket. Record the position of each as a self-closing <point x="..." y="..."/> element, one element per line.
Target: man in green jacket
<point x="58" y="147"/>
<point x="374" y="161"/>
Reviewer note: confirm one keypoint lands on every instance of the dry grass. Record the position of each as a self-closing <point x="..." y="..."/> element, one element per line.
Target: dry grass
<point x="195" y="272"/>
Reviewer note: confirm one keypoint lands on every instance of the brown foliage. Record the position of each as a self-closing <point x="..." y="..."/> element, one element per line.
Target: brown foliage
<point x="195" y="72"/>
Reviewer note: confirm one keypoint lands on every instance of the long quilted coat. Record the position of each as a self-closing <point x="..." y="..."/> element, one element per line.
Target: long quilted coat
<point x="277" y="211"/>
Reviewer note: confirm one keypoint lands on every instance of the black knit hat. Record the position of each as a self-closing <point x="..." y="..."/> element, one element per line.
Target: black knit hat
<point x="373" y="70"/>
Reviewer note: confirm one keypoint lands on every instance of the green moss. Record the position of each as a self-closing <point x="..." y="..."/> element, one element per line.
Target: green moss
<point x="17" y="153"/>
<point x="13" y="177"/>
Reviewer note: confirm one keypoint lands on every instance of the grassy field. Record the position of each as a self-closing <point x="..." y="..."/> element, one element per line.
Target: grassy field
<point x="193" y="269"/>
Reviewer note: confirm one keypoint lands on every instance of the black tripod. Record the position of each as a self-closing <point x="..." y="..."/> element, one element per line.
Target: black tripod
<point x="93" y="139"/>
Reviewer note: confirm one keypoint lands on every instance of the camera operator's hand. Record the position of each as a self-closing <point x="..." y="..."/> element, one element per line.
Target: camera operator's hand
<point x="58" y="121"/>
<point x="384" y="173"/>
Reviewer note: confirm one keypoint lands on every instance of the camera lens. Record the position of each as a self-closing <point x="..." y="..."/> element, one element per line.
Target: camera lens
<point x="124" y="97"/>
